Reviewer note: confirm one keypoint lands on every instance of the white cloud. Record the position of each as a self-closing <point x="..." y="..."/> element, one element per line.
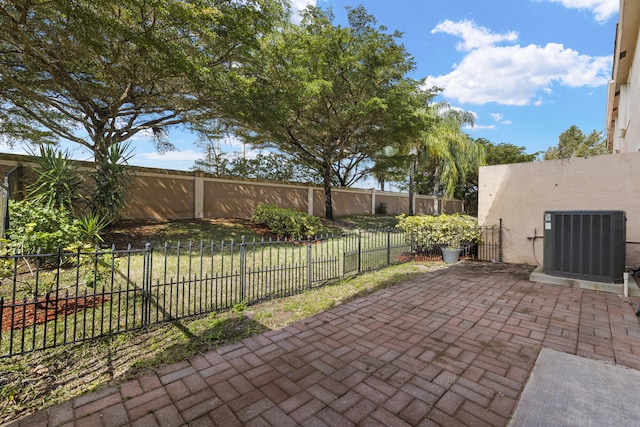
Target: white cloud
<point x="297" y="6"/>
<point x="513" y="74"/>
<point x="232" y="141"/>
<point x="481" y="127"/>
<point x="499" y="117"/>
<point x="601" y="9"/>
<point x="472" y="36"/>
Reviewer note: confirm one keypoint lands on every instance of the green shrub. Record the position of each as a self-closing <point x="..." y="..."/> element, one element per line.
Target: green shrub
<point x="286" y="222"/>
<point x="33" y="226"/>
<point x="381" y="208"/>
<point x="426" y="231"/>
<point x="90" y="226"/>
<point x="58" y="179"/>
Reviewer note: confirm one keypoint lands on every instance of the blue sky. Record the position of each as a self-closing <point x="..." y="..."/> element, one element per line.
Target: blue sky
<point x="527" y="69"/>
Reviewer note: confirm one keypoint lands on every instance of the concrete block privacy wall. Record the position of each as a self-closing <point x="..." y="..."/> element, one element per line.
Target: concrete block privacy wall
<point x="162" y="194"/>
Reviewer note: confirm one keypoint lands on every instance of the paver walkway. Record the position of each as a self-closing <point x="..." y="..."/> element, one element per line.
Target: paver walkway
<point x="452" y="347"/>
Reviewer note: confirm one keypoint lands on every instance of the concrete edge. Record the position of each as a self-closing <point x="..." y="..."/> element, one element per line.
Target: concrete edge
<point x="614" y="288"/>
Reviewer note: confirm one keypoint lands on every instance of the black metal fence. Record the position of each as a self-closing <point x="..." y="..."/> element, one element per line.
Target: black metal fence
<point x="48" y="300"/>
<point x="4" y="208"/>
<point x="488" y="249"/>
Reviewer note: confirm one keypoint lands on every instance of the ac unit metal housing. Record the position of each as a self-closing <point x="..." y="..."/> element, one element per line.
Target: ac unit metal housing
<point x="589" y="245"/>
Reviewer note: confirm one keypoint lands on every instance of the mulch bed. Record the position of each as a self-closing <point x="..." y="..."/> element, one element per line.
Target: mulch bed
<point x="427" y="258"/>
<point x="21" y="314"/>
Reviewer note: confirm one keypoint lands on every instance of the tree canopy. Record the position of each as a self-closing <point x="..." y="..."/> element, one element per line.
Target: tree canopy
<point x="98" y="72"/>
<point x="505" y="153"/>
<point x="330" y="96"/>
<point x="574" y="143"/>
<point x="264" y="166"/>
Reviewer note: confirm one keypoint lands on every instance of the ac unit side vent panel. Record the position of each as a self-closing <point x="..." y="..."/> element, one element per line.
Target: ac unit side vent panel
<point x="586" y="245"/>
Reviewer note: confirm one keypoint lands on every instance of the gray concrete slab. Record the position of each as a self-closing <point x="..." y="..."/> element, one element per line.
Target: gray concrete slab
<point x="567" y="390"/>
<point x="539" y="276"/>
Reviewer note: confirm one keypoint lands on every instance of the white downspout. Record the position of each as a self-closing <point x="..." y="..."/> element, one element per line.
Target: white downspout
<point x="625" y="276"/>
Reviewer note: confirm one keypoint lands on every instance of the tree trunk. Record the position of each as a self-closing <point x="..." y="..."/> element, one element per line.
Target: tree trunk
<point x="328" y="206"/>
<point x="436" y="187"/>
<point x="100" y="176"/>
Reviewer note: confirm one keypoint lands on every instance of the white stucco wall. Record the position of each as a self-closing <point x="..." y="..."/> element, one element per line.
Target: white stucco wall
<point x="628" y="141"/>
<point x="521" y="193"/>
<point x="623" y="103"/>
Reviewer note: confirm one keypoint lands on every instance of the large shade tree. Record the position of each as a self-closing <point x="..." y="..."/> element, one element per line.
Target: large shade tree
<point x="574" y="143"/>
<point x="98" y="72"/>
<point x="330" y="96"/>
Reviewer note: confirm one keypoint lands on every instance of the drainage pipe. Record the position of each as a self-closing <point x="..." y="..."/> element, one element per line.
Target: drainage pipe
<point x="625" y="276"/>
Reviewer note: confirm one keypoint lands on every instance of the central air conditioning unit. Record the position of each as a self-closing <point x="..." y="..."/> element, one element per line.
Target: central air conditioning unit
<point x="589" y="245"/>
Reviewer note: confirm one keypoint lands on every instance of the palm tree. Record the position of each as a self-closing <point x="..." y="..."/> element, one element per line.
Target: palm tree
<point x="441" y="149"/>
<point x="449" y="151"/>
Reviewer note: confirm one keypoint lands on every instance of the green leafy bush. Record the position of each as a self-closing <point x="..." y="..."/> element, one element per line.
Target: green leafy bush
<point x="381" y="208"/>
<point x="286" y="222"/>
<point x="426" y="231"/>
<point x="34" y="226"/>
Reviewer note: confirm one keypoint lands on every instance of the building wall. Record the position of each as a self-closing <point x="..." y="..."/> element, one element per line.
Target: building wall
<point x="623" y="99"/>
<point x="521" y="193"/>
<point x="627" y="123"/>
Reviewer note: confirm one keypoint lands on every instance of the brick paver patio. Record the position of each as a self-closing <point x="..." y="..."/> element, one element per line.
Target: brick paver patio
<point x="452" y="347"/>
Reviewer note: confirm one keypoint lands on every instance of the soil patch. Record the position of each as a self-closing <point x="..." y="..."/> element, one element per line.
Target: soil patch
<point x="22" y="314"/>
<point x="137" y="233"/>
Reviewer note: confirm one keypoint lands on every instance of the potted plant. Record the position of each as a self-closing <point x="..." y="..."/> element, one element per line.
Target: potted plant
<point x="442" y="234"/>
<point x="451" y="235"/>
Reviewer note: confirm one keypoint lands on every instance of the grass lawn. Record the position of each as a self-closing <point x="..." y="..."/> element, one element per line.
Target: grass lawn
<point x="38" y="380"/>
<point x="138" y="233"/>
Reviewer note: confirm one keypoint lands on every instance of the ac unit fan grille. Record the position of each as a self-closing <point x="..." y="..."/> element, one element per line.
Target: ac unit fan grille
<point x="585" y="244"/>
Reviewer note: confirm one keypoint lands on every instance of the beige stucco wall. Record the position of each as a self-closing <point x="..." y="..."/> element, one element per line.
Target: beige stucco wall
<point x="162" y="194"/>
<point x="5" y="166"/>
<point x="160" y="197"/>
<point x="350" y="202"/>
<point x="395" y="205"/>
<point x="521" y="193"/>
<point x="226" y="198"/>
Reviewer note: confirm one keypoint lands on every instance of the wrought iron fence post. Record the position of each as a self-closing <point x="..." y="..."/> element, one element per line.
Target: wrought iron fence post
<point x="388" y="246"/>
<point x="309" y="271"/>
<point x="243" y="267"/>
<point x="359" y="251"/>
<point x="146" y="285"/>
<point x="500" y="241"/>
